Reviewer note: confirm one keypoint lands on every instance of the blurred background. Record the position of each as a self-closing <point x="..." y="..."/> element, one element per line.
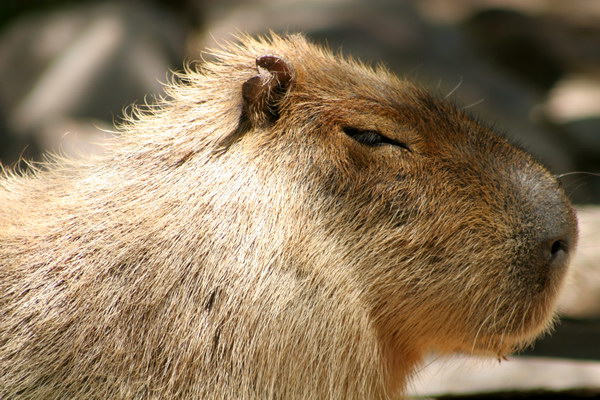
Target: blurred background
<point x="531" y="68"/>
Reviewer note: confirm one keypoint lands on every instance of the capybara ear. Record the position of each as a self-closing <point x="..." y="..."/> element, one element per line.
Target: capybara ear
<point x="262" y="93"/>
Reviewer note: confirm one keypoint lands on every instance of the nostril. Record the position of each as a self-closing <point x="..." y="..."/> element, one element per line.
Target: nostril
<point x="558" y="246"/>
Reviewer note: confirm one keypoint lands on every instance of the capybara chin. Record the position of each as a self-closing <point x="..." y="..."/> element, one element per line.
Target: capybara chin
<point x="288" y="225"/>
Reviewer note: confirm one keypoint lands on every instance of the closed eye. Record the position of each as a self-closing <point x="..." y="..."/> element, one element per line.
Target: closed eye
<point x="372" y="138"/>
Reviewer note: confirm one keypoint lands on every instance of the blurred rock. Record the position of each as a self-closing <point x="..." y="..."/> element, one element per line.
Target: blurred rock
<point x="521" y="50"/>
<point x="470" y="375"/>
<point x="575" y="97"/>
<point x="573" y="107"/>
<point x="581" y="295"/>
<point x="83" y="65"/>
<point x="584" y="11"/>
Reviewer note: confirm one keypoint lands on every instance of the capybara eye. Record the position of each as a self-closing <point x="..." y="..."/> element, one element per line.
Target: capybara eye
<point x="372" y="138"/>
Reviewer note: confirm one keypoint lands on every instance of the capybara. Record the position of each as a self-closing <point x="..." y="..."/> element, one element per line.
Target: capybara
<point x="288" y="224"/>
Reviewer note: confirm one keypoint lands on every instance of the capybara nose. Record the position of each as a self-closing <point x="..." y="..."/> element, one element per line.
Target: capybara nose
<point x="556" y="250"/>
<point x="552" y="222"/>
<point x="558" y="237"/>
<point x="557" y="246"/>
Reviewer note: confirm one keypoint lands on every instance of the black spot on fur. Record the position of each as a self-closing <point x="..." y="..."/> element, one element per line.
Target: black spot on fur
<point x="216" y="339"/>
<point x="210" y="301"/>
<point x="184" y="159"/>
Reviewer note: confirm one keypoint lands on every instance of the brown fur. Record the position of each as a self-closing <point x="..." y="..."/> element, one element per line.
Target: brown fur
<point x="235" y="243"/>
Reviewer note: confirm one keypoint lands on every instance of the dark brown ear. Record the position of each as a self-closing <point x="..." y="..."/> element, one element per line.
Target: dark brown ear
<point x="263" y="92"/>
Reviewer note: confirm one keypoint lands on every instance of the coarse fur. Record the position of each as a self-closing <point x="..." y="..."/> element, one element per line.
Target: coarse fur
<point x="236" y="242"/>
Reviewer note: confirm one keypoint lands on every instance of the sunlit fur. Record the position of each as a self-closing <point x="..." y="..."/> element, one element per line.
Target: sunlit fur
<point x="197" y="260"/>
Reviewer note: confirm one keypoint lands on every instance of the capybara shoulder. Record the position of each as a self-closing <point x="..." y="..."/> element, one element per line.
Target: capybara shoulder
<point x="290" y="224"/>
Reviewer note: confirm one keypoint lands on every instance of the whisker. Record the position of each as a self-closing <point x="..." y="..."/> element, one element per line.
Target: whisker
<point x="576" y="172"/>
<point x="483" y="323"/>
<point x="460" y="82"/>
<point x="474" y="104"/>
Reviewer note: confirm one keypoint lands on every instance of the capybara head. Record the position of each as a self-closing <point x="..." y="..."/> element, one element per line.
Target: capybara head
<point x="459" y="239"/>
<point x="290" y="223"/>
